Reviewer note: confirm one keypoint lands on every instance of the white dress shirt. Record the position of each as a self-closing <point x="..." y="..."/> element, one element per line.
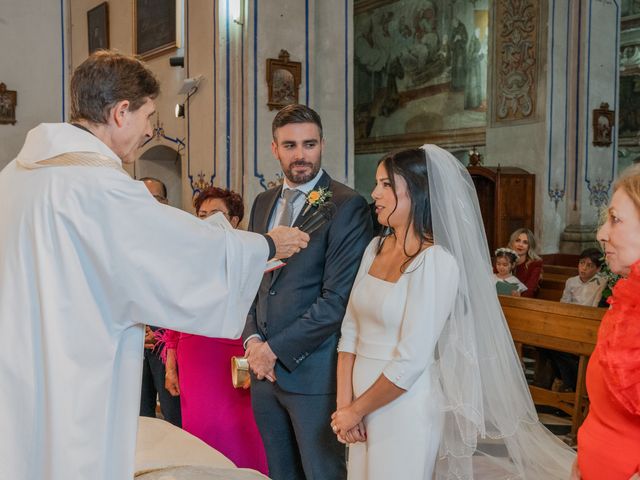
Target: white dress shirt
<point x="584" y="293"/>
<point x="298" y="203"/>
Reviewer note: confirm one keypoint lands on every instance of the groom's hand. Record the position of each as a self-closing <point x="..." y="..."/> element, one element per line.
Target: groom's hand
<point x="262" y="360"/>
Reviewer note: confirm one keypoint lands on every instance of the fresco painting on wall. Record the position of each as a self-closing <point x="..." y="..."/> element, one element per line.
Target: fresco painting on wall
<point x="283" y="81"/>
<point x="155" y="29"/>
<point x="420" y="72"/>
<point x="629" y="100"/>
<point x="98" y="27"/>
<point x="8" y="102"/>
<point x="628" y="127"/>
<point x="629" y="7"/>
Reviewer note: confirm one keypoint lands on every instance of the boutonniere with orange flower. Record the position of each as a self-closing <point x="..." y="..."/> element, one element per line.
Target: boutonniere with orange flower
<point x="317" y="197"/>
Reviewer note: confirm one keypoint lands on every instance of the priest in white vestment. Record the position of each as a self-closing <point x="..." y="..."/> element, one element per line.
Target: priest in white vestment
<point x="87" y="257"/>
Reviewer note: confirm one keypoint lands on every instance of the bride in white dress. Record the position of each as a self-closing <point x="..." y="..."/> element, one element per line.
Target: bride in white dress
<point x="429" y="384"/>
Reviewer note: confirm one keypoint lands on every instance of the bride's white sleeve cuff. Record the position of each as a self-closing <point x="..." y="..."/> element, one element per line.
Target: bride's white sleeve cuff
<point x="429" y="302"/>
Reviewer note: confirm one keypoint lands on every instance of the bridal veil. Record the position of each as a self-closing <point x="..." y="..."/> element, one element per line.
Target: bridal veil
<point x="491" y="425"/>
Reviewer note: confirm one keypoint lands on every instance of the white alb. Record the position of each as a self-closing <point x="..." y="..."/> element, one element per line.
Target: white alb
<point x="87" y="257"/>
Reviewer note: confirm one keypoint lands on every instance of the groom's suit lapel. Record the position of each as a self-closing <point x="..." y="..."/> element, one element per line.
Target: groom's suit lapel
<point x="324" y="182"/>
<point x="266" y="210"/>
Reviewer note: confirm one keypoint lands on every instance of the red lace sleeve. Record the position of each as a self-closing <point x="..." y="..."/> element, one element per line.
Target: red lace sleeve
<point x="619" y="340"/>
<point x="166" y="339"/>
<point x="529" y="274"/>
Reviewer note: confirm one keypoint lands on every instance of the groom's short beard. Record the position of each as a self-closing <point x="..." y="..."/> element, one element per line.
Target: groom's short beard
<point x="302" y="178"/>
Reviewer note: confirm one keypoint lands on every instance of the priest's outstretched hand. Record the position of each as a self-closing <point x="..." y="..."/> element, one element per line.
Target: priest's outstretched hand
<point x="289" y="241"/>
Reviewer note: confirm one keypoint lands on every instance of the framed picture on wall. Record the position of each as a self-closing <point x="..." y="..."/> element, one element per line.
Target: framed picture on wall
<point x="283" y="80"/>
<point x="98" y="27"/>
<point x="8" y="102"/>
<point x="603" y="121"/>
<point x="154" y="27"/>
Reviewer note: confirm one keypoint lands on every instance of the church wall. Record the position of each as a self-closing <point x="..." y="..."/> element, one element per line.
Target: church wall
<point x="573" y="176"/>
<point x="317" y="34"/>
<point x="535" y="142"/>
<point x="559" y="141"/>
<point x="228" y="120"/>
<point x="203" y="133"/>
<point x="597" y="169"/>
<point x="227" y="124"/>
<point x="32" y="62"/>
<point x="121" y="39"/>
<point x="579" y="45"/>
<point x="519" y="136"/>
<point x="583" y="177"/>
<point x="227" y="128"/>
<point x="573" y="61"/>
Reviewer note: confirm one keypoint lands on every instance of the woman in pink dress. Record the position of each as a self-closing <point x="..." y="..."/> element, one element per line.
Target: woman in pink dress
<point x="212" y="409"/>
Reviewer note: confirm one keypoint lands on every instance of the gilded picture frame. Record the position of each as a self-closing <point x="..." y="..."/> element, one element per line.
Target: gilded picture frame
<point x="603" y="123"/>
<point x="8" y="102"/>
<point x="98" y="27"/>
<point x="155" y="27"/>
<point x="283" y="81"/>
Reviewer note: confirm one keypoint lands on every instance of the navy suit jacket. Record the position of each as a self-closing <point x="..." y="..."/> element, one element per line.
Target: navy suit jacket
<point x="299" y="308"/>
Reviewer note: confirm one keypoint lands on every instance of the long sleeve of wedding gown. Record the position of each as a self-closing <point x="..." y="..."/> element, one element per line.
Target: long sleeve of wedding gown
<point x="432" y="287"/>
<point x="349" y="330"/>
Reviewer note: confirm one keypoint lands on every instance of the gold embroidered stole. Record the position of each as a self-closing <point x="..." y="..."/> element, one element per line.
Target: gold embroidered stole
<point x="81" y="159"/>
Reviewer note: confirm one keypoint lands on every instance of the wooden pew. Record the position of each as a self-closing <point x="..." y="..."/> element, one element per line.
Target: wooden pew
<point x="556" y="326"/>
<point x="553" y="280"/>
<point x="551" y="286"/>
<point x="561" y="259"/>
<point x="560" y="270"/>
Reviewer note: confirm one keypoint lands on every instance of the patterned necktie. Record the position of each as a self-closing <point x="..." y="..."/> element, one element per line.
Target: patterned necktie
<point x="290" y="196"/>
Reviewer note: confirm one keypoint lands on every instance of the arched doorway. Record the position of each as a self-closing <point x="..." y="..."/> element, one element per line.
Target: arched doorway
<point x="165" y="164"/>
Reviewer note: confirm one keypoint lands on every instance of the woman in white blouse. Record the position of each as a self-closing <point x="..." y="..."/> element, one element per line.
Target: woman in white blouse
<point x="426" y="363"/>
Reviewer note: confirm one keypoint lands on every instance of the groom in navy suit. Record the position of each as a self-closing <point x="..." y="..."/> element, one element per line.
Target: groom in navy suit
<point x="293" y="327"/>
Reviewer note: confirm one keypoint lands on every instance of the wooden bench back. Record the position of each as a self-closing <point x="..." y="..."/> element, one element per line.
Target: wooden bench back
<point x="553" y="281"/>
<point x="561" y="259"/>
<point x="557" y="326"/>
<point x="552" y="285"/>
<point x="549" y="293"/>
<point x="560" y="270"/>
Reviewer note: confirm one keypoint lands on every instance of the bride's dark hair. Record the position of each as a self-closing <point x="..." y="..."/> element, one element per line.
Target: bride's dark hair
<point x="411" y="164"/>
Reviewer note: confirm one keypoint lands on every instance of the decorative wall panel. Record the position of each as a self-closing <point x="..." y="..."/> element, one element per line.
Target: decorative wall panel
<point x="517" y="51"/>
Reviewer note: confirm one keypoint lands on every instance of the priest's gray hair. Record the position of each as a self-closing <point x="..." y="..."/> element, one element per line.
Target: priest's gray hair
<point x="106" y="78"/>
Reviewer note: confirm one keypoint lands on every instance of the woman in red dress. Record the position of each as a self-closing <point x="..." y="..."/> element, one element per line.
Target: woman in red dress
<point x="529" y="265"/>
<point x="609" y="439"/>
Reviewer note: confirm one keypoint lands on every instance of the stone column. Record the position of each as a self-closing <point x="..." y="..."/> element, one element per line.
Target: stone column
<point x="590" y="147"/>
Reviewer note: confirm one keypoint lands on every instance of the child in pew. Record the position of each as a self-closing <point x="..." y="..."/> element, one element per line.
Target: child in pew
<point x="586" y="287"/>
<point x="583" y="289"/>
<point x="506" y="282"/>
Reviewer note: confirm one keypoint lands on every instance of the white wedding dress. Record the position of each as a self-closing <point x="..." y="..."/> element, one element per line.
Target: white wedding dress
<point x="385" y="328"/>
<point x="440" y="334"/>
